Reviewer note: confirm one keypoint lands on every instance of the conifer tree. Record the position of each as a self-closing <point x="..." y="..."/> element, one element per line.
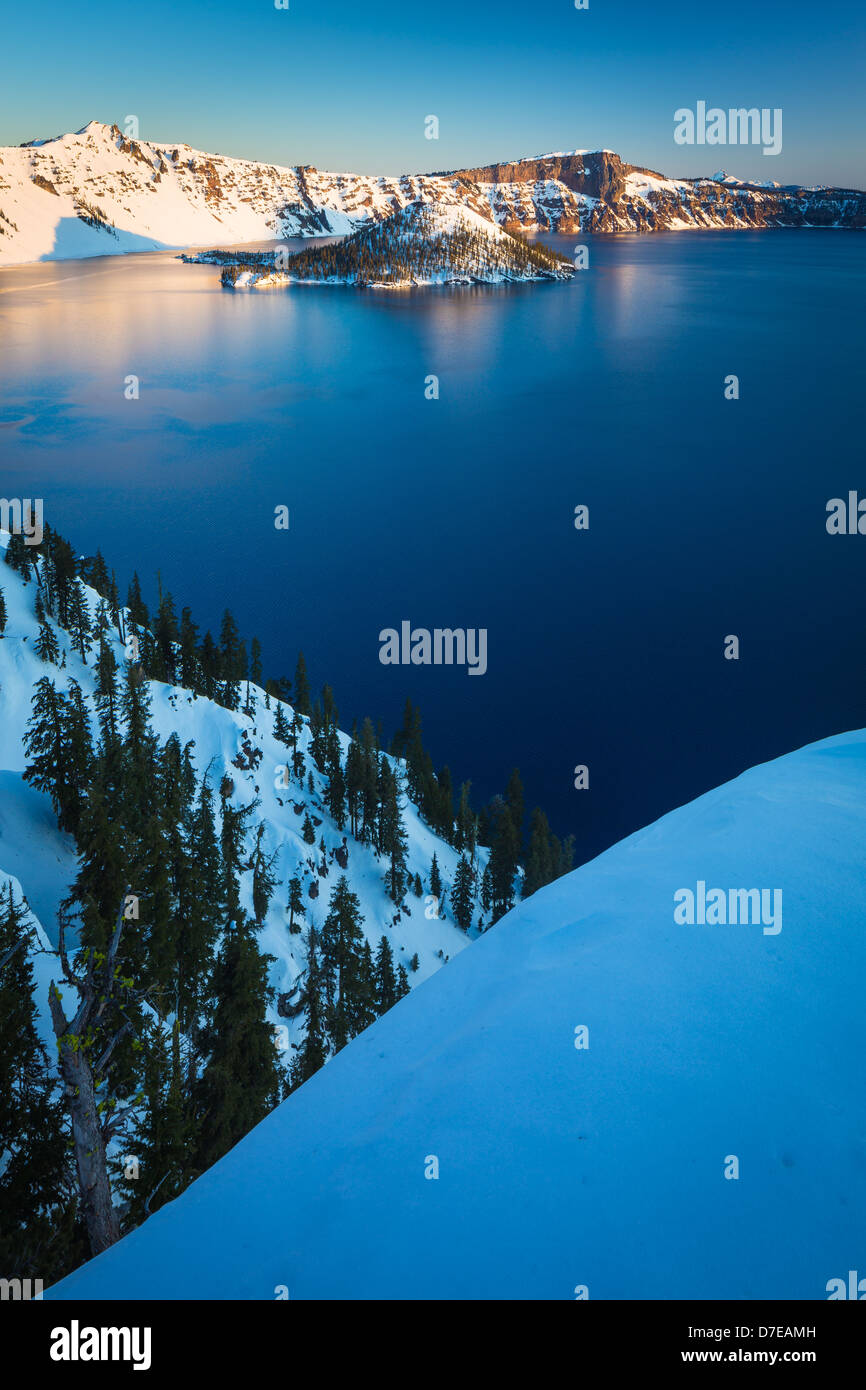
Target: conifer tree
<point x="330" y="712"/>
<point x="385" y="978"/>
<point x="364" y="1010"/>
<point x="445" y="805"/>
<point x="296" y="902"/>
<point x="314" y="1049"/>
<point x="177" y="789"/>
<point x="78" y="752"/>
<point x="138" y="613"/>
<point x="78" y="621"/>
<point x="503" y="864"/>
<point x="18" y="556"/>
<point x="95" y="573"/>
<point x="307" y="831"/>
<point x="264" y="878"/>
<point x="486" y="888"/>
<point x="241" y="1079"/>
<point x="210" y="667"/>
<point x="408" y="732"/>
<point x="335" y="792"/>
<point x="354" y="780"/>
<point x="318" y="730"/>
<point x="46" y="645"/>
<point x="342" y="944"/>
<point x="47" y="748"/>
<point x="298" y="765"/>
<point x="243" y="669"/>
<point x="565" y="861"/>
<point x="105" y="693"/>
<point x="166" y="637"/>
<point x="190" y="671"/>
<point x="3" y="616"/>
<point x="466" y="829"/>
<point x="461" y="894"/>
<point x="539" y="866"/>
<point x="369" y="783"/>
<point x="281" y="727"/>
<point x="114" y="607"/>
<point x="165" y="1133"/>
<point x="139" y="789"/>
<point x="234" y="828"/>
<point x="301" y="699"/>
<point x="435" y="878"/>
<point x="230" y="661"/>
<point x="514" y="802"/>
<point x="102" y="868"/>
<point x="392" y="837"/>
<point x="256" y="661"/>
<point x="201" y="902"/>
<point x="152" y="947"/>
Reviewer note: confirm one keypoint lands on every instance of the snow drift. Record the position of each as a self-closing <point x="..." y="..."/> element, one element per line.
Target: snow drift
<point x="564" y="1169"/>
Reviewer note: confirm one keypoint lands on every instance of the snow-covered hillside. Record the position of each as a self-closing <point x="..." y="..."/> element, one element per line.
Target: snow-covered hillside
<point x="96" y="192"/>
<point x="477" y="1142"/>
<point x="42" y="859"/>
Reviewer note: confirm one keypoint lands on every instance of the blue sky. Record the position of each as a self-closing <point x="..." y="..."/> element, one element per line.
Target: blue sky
<point x="348" y="85"/>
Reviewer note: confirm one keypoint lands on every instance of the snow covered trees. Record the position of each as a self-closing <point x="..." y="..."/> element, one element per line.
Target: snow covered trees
<point x="419" y="243"/>
<point x="59" y="746"/>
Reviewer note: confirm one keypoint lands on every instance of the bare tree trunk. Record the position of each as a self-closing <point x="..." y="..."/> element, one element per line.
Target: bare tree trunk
<point x="94" y="1188"/>
<point x="95" y="988"/>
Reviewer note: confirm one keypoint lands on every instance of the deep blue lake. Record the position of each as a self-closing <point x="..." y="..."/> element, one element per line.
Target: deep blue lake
<point x="605" y="646"/>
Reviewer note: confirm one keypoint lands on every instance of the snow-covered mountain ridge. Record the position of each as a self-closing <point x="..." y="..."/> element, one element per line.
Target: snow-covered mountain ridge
<point x="557" y="1115"/>
<point x="95" y="192"/>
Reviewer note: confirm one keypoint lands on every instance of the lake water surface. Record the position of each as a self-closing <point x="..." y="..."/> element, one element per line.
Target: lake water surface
<point x="605" y="647"/>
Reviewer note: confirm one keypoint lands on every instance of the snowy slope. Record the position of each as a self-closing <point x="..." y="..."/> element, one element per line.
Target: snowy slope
<point x="139" y="196"/>
<point x="562" y="1167"/>
<point x="42" y="859"/>
<point x="154" y="196"/>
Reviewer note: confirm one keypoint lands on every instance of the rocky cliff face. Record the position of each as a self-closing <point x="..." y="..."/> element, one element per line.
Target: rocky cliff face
<point x="96" y="192"/>
<point x="599" y="192"/>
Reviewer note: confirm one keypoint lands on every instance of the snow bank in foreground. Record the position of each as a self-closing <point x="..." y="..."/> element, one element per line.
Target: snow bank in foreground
<point x="561" y="1166"/>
